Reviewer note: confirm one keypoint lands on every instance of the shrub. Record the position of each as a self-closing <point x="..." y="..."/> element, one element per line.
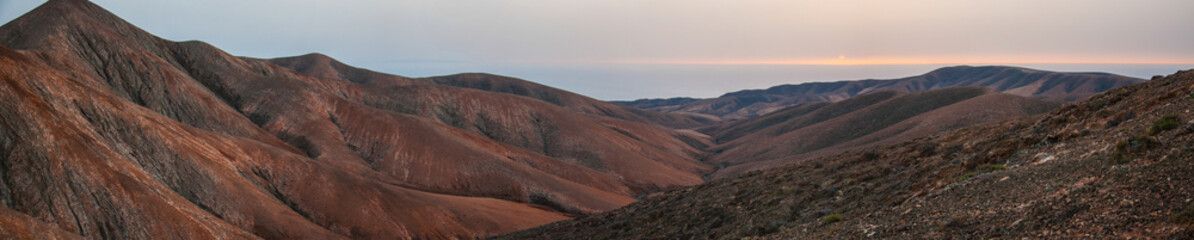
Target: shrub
<point x="832" y="218"/>
<point x="1166" y="123"/>
<point x="992" y="167"/>
<point x="1184" y="216"/>
<point x="953" y="223"/>
<point x="1125" y="149"/>
<point x="985" y="168"/>
<point x="1099" y="103"/>
<point x="870" y="155"/>
<point x="928" y="149"/>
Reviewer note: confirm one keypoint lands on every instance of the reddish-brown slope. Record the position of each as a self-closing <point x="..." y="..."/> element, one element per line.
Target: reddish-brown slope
<point x="811" y="130"/>
<point x="325" y="120"/>
<point x="16" y="225"/>
<point x="644" y="157"/>
<point x="208" y="143"/>
<point x="1044" y="85"/>
<point x="99" y="166"/>
<point x="324" y="67"/>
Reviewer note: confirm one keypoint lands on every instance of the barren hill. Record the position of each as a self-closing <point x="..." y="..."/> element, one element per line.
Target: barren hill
<point x="1037" y="84"/>
<point x="815" y="129"/>
<point x="1116" y="166"/>
<point x="327" y="68"/>
<point x="110" y="132"/>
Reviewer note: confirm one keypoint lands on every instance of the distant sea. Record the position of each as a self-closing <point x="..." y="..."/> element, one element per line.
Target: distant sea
<point x="635" y="81"/>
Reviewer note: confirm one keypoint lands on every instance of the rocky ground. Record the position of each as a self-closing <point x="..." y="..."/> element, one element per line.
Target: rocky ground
<point x="1116" y="166"/>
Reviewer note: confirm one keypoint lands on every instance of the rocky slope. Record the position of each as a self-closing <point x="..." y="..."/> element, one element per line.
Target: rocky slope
<point x="109" y="132"/>
<point x="817" y="129"/>
<point x="1116" y="166"/>
<point x="1043" y="85"/>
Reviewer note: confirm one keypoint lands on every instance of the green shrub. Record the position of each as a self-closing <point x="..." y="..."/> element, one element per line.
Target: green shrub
<point x="1099" y="103"/>
<point x="985" y="168"/>
<point x="1184" y="216"/>
<point x="1166" y="123"/>
<point x="832" y="218"/>
<point x="1124" y="150"/>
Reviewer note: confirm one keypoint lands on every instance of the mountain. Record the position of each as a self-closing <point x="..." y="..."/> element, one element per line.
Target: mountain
<point x="822" y="128"/>
<point x="1037" y="84"/>
<point x="325" y="67"/>
<point x="1115" y="166"/>
<point x="110" y="132"/>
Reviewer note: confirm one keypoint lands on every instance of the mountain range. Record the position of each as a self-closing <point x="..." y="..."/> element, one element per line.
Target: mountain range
<point x="825" y="128"/>
<point x="1117" y="166"/>
<point x="1032" y="83"/>
<point x="110" y="132"/>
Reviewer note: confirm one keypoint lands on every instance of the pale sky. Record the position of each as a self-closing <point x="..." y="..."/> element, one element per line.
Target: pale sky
<point x="615" y="49"/>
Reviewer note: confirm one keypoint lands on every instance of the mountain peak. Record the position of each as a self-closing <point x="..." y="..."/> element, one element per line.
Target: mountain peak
<point x="66" y="19"/>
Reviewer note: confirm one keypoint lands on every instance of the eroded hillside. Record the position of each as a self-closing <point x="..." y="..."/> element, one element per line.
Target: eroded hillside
<point x="109" y="132"/>
<point x="1116" y="166"/>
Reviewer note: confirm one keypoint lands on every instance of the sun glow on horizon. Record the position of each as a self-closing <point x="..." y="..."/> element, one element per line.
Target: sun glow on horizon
<point x="843" y="60"/>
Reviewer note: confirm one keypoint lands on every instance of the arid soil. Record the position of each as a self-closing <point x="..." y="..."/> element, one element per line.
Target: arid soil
<point x="1118" y="165"/>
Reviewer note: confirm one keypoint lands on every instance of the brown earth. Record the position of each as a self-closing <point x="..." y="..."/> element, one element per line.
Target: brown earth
<point x="1116" y="166"/>
<point x="818" y="129"/>
<point x="110" y="132"/>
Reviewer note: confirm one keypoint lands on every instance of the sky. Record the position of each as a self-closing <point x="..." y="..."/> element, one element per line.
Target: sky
<point x="629" y="49"/>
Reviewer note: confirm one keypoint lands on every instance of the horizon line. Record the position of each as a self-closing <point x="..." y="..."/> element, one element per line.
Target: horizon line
<point x="896" y="61"/>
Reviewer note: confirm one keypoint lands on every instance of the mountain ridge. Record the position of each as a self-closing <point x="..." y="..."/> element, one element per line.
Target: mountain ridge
<point x="1044" y="85"/>
<point x="325" y="67"/>
<point x="816" y="129"/>
<point x="111" y="132"/>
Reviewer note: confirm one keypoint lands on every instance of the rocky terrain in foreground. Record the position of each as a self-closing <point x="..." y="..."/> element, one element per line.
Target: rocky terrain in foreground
<point x="1119" y="165"/>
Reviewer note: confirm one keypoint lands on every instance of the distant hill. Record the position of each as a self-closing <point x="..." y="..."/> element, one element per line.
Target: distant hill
<point x="327" y="68"/>
<point x="1116" y="166"/>
<point x="822" y="128"/>
<point x="1037" y="84"/>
